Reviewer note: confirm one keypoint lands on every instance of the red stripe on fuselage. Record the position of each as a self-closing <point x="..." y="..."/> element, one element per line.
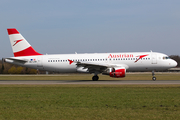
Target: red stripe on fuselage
<point x="12" y="31"/>
<point x="26" y="52"/>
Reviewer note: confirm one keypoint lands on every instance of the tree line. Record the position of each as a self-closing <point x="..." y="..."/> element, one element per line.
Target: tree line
<point x="7" y="68"/>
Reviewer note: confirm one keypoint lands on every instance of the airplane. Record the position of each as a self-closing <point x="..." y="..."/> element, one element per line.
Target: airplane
<point x="113" y="64"/>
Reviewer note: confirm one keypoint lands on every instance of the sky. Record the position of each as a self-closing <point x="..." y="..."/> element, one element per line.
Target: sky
<point x="92" y="26"/>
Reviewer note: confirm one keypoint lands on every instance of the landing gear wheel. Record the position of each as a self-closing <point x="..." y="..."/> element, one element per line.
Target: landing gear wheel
<point x="95" y="78"/>
<point x="154" y="78"/>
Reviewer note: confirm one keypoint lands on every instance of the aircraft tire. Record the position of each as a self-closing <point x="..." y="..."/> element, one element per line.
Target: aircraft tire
<point x="154" y="78"/>
<point x="95" y="78"/>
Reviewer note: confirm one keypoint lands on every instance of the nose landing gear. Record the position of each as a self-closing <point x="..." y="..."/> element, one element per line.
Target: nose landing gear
<point x="153" y="78"/>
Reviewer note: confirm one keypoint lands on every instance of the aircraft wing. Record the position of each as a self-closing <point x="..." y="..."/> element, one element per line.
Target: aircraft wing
<point x="91" y="67"/>
<point x="97" y="67"/>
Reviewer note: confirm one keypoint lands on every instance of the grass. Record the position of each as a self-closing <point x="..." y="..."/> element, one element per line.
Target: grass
<point x="87" y="102"/>
<point x="129" y="76"/>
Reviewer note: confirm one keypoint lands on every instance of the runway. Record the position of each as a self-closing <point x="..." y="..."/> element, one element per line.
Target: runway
<point x="110" y="82"/>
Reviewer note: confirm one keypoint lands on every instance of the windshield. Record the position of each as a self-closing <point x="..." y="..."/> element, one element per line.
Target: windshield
<point x="166" y="57"/>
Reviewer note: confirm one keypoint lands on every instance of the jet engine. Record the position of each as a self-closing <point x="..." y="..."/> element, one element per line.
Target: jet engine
<point x="116" y="72"/>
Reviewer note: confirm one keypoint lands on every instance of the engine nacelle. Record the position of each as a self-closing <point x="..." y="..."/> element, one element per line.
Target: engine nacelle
<point x="117" y="72"/>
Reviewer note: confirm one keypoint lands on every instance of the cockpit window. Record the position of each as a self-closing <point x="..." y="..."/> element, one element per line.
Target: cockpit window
<point x="166" y="57"/>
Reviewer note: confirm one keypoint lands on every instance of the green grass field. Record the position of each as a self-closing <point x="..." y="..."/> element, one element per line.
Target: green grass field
<point x="129" y="76"/>
<point x="87" y="102"/>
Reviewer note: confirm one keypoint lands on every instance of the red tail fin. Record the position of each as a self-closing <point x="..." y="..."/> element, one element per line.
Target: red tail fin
<point x="19" y="44"/>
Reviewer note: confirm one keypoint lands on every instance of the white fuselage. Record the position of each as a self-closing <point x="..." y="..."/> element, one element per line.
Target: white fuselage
<point x="59" y="62"/>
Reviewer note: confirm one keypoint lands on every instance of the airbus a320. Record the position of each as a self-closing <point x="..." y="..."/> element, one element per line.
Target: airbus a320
<point x="113" y="64"/>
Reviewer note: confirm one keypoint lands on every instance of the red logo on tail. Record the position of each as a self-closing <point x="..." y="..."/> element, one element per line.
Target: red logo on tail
<point x="140" y="56"/>
<point x="17" y="41"/>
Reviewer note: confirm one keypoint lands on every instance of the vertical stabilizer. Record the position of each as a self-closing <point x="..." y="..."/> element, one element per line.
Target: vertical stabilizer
<point x="19" y="44"/>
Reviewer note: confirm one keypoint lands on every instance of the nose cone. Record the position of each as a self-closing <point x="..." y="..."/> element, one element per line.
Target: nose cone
<point x="173" y="63"/>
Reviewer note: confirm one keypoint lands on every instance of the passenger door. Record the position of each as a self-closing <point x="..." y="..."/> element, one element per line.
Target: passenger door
<point x="154" y="58"/>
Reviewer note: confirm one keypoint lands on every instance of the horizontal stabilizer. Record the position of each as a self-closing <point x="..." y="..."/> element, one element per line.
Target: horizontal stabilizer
<point x="16" y="60"/>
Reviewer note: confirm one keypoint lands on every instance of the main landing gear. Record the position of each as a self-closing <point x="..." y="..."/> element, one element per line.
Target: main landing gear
<point x="95" y="78"/>
<point x="153" y="78"/>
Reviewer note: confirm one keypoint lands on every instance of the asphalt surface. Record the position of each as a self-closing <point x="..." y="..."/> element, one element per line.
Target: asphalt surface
<point x="116" y="82"/>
